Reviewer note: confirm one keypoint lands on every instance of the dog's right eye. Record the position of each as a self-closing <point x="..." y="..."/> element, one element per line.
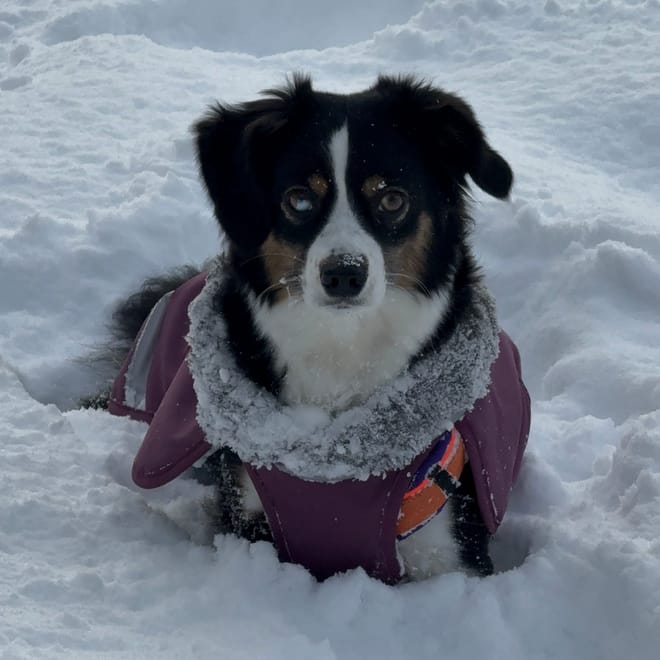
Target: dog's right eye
<point x="298" y="203"/>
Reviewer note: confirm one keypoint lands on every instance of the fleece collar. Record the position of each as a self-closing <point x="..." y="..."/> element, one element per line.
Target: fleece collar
<point x="393" y="426"/>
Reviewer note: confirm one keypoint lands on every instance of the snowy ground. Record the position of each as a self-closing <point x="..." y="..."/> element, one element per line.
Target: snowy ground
<point x="98" y="189"/>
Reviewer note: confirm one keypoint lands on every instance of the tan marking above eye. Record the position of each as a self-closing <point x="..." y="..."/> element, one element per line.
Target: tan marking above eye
<point x="373" y="185"/>
<point x="318" y="184"/>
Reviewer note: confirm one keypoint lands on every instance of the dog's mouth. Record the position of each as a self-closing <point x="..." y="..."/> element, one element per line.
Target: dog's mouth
<point x="349" y="304"/>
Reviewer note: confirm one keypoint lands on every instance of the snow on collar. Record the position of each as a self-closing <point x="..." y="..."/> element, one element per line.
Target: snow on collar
<point x="393" y="426"/>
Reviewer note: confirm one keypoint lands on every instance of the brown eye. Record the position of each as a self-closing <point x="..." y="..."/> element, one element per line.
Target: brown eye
<point x="298" y="202"/>
<point x="393" y="202"/>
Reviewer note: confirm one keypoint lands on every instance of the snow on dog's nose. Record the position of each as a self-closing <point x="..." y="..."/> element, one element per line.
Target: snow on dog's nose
<point x="344" y="275"/>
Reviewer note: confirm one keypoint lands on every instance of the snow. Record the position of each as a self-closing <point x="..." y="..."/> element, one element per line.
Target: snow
<point x="99" y="189"/>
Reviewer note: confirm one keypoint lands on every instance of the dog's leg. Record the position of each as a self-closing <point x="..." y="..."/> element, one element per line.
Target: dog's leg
<point x="95" y="401"/>
<point x="226" y="510"/>
<point x="470" y="533"/>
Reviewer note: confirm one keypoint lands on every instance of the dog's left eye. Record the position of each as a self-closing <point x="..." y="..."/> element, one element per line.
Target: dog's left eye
<point x="299" y="201"/>
<point x="393" y="203"/>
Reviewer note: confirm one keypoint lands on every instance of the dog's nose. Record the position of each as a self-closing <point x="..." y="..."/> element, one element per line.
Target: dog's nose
<point x="344" y="275"/>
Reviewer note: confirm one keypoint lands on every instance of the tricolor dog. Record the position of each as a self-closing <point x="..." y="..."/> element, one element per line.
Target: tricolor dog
<point x="338" y="373"/>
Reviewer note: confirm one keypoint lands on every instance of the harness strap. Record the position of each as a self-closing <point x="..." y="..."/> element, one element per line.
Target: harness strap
<point x="435" y="482"/>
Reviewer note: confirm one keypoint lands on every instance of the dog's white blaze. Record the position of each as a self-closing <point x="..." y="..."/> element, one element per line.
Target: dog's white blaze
<point x="343" y="234"/>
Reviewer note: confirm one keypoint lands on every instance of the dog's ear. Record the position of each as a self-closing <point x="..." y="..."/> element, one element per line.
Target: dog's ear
<point x="462" y="139"/>
<point x="235" y="150"/>
<point x="448" y="131"/>
<point x="228" y="152"/>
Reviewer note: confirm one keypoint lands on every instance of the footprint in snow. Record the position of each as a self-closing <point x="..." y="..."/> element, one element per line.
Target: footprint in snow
<point x="14" y="82"/>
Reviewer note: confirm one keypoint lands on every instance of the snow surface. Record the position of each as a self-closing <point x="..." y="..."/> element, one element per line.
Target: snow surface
<point x="99" y="189"/>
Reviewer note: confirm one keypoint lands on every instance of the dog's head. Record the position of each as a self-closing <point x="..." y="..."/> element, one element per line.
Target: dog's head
<point x="331" y="199"/>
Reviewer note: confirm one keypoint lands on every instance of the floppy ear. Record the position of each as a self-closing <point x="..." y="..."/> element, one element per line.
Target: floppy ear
<point x="235" y="149"/>
<point x="448" y="131"/>
<point x="228" y="154"/>
<point x="463" y="143"/>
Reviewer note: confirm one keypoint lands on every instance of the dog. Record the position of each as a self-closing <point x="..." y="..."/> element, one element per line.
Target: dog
<point x="347" y="262"/>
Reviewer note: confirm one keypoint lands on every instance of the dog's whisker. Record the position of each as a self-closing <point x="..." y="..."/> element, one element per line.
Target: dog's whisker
<point x="416" y="280"/>
<point x="268" y="289"/>
<point x="284" y="283"/>
<point x="398" y="287"/>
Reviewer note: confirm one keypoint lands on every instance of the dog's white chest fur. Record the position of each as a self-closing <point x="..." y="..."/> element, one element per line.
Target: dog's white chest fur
<point x="336" y="358"/>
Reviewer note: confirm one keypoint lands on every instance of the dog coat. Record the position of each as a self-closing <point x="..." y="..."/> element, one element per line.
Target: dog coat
<point x="327" y="524"/>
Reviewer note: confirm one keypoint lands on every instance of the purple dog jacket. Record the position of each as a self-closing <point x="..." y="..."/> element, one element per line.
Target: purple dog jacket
<point x="327" y="527"/>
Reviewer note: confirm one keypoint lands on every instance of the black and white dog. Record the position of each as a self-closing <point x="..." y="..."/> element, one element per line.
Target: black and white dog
<point x="347" y="253"/>
<point x="353" y="206"/>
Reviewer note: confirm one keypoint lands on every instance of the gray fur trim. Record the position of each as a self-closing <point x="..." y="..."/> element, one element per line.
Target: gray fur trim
<point x="396" y="424"/>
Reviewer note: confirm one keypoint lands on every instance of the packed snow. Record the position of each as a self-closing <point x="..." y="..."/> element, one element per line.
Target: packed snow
<point x="99" y="189"/>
